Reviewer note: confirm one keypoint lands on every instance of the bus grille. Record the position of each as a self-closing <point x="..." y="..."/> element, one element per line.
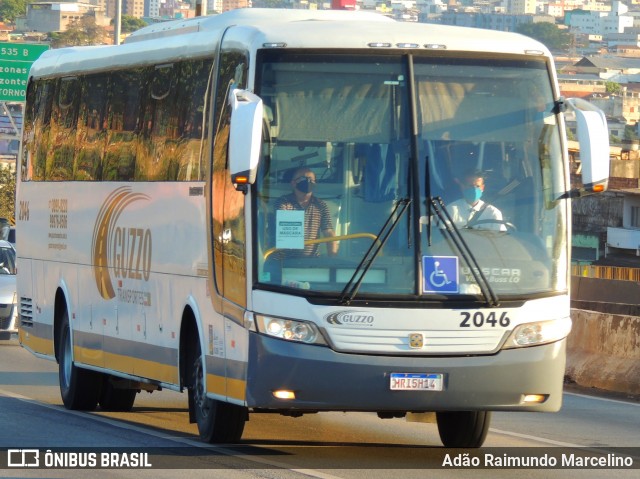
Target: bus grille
<point x="26" y="312"/>
<point x="432" y="342"/>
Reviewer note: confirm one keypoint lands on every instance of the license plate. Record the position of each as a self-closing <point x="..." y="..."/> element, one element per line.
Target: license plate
<point x="416" y="382"/>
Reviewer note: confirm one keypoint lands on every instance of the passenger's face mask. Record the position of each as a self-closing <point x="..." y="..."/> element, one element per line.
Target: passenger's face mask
<point x="472" y="194"/>
<point x="304" y="185"/>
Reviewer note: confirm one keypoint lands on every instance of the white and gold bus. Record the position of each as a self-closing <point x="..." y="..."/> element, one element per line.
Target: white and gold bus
<point x="162" y="244"/>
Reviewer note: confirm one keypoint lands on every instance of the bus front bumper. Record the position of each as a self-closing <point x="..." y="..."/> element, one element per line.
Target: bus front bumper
<point x="326" y="380"/>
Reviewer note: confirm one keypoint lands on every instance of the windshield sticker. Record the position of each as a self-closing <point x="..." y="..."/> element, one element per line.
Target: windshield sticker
<point x="289" y="229"/>
<point x="440" y="274"/>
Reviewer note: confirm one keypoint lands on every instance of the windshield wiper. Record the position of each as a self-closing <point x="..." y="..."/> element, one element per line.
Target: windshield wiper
<point x="353" y="285"/>
<point x="463" y="248"/>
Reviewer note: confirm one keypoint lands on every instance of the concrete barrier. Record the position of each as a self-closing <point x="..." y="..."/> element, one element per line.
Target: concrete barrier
<point x="603" y="351"/>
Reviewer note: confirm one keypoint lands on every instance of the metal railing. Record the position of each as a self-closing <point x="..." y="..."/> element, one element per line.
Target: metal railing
<point x="606" y="272"/>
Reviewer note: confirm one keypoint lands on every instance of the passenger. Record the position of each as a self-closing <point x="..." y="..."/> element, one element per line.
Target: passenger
<point x="470" y="211"/>
<point x="317" y="218"/>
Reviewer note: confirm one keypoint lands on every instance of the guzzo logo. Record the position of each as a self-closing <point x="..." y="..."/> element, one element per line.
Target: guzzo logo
<point x="351" y="318"/>
<point x="124" y="252"/>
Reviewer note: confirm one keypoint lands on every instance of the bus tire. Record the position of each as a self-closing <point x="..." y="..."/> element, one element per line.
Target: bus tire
<point x="466" y="429"/>
<point x="79" y="387"/>
<point x="218" y="421"/>
<point x="116" y="399"/>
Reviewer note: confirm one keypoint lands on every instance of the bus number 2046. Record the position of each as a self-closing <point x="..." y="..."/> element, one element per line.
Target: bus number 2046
<point x="478" y="319"/>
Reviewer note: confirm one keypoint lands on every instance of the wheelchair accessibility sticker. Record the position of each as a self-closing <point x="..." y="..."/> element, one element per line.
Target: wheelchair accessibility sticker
<point x="440" y="274"/>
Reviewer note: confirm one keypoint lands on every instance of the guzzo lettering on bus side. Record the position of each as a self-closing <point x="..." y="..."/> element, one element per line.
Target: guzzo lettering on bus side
<point x="122" y="251"/>
<point x="351" y="318"/>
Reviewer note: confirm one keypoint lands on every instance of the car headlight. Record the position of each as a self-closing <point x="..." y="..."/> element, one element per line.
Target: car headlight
<point x="540" y="332"/>
<point x="289" y="329"/>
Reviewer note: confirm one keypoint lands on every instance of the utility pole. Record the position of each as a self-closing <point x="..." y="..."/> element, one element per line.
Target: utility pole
<point x="116" y="23"/>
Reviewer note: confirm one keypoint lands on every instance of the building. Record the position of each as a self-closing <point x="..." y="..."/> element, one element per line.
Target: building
<point x="490" y="21"/>
<point x="57" y="16"/>
<point x="598" y="22"/>
<point x="520" y="7"/>
<point x="133" y="8"/>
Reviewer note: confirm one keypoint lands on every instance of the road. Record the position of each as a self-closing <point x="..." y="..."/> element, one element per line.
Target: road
<point x="326" y="445"/>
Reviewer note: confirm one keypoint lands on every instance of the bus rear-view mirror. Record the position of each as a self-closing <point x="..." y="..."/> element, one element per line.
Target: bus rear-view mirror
<point x="245" y="137"/>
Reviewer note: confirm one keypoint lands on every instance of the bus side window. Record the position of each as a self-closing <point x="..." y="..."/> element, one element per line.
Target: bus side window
<point x="33" y="122"/>
<point x="92" y="128"/>
<point x="192" y="104"/>
<point x="159" y="129"/>
<point x="60" y="158"/>
<point x="122" y="125"/>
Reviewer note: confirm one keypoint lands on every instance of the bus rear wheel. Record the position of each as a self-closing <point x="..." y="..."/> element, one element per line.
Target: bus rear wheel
<point x="218" y="421"/>
<point x="79" y="387"/>
<point x="466" y="429"/>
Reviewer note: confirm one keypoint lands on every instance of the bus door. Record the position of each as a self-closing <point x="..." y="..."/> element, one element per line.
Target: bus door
<point x="227" y="361"/>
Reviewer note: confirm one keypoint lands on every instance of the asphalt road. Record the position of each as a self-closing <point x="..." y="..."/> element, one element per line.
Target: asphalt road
<point x="326" y="445"/>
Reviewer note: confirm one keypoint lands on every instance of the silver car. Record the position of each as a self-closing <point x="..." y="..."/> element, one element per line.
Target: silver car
<point x="8" y="296"/>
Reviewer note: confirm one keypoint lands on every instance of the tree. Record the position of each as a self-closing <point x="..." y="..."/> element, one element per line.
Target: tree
<point x="7" y="192"/>
<point x="10" y="9"/>
<point x="130" y="24"/>
<point x="81" y="32"/>
<point x="630" y="132"/>
<point x="613" y="87"/>
<point x="547" y="33"/>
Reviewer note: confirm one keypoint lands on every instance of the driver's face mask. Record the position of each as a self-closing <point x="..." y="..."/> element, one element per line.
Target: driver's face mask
<point x="472" y="194"/>
<point x="305" y="184"/>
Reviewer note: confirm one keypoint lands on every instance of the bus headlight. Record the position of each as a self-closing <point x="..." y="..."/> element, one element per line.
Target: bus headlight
<point x="540" y="332"/>
<point x="289" y="329"/>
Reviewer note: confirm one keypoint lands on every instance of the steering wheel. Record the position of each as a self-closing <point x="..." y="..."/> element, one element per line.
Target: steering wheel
<point x="509" y="225"/>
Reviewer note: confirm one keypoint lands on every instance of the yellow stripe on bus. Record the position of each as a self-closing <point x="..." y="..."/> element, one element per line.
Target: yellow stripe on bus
<point x="236" y="388"/>
<point x="35" y="343"/>
<point x="228" y="387"/>
<point x="135" y="366"/>
<point x="219" y="385"/>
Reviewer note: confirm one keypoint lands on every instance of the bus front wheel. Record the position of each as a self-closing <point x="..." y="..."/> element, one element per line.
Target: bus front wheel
<point x="79" y="387"/>
<point x="218" y="421"/>
<point x="463" y="428"/>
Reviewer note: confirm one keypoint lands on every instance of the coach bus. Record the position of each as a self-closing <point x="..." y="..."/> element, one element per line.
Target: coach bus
<point x="164" y="243"/>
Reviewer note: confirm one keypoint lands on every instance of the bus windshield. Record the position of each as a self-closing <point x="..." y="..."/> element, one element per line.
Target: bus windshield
<point x="409" y="176"/>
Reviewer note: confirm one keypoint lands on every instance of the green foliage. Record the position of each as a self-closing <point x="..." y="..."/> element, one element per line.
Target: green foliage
<point x="81" y="32"/>
<point x="7" y="192"/>
<point x="630" y="132"/>
<point x="613" y="87"/>
<point x="130" y="24"/>
<point x="548" y="33"/>
<point x="10" y="9"/>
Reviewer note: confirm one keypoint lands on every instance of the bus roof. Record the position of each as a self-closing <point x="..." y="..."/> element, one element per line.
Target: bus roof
<point x="252" y="28"/>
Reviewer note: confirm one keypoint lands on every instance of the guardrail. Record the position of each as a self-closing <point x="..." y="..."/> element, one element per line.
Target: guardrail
<point x="606" y="272"/>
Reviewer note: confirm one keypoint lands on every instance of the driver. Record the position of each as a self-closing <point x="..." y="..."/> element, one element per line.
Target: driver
<point x="470" y="211"/>
<point x="317" y="219"/>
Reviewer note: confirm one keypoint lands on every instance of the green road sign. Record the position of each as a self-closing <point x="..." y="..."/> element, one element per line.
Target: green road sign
<point x="15" y="62"/>
<point x="23" y="52"/>
<point x="13" y="80"/>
